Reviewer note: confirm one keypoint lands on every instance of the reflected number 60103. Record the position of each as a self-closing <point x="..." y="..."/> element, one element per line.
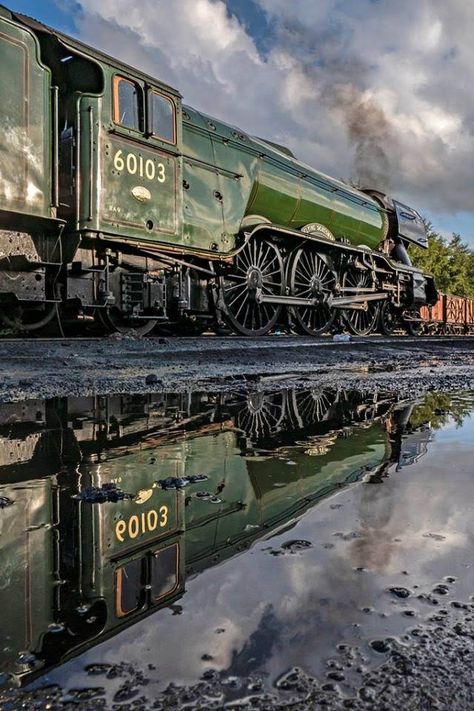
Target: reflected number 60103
<point x="146" y="522"/>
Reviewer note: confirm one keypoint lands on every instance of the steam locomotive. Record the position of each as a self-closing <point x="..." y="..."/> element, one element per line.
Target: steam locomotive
<point x="122" y="207"/>
<point x="87" y="567"/>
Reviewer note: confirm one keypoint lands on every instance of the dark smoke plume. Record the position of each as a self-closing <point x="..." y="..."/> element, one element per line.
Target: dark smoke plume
<point x="340" y="82"/>
<point x="371" y="135"/>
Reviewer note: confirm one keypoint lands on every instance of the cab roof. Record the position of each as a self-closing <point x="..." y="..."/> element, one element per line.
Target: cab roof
<point x="85" y="49"/>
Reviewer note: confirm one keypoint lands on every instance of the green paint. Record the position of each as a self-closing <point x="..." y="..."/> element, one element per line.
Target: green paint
<point x="25" y="124"/>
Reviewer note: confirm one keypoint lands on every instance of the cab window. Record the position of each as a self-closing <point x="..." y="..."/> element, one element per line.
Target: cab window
<point x="129" y="587"/>
<point x="163" y="113"/>
<point x="128" y="104"/>
<point x="164" y="572"/>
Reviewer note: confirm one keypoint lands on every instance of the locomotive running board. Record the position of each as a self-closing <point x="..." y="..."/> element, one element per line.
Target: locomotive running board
<point x="336" y="302"/>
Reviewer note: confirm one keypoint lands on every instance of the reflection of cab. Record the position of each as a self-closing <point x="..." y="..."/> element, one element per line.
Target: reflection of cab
<point x="88" y="569"/>
<point x="147" y="580"/>
<point x="123" y="558"/>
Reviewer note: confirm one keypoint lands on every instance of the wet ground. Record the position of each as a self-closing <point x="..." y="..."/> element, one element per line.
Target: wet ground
<point x="57" y="368"/>
<point x="271" y="548"/>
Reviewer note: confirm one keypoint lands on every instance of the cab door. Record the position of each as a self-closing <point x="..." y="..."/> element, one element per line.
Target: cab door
<point x="139" y="190"/>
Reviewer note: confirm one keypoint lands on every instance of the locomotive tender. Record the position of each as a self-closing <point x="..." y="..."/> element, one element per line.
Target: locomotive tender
<point x="119" y="204"/>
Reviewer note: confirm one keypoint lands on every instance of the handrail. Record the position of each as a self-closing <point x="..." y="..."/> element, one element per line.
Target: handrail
<point x="55" y="172"/>
<point x="91" y="158"/>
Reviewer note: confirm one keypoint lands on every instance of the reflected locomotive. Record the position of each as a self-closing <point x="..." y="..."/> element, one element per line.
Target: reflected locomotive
<point x="99" y="530"/>
<point x="121" y="206"/>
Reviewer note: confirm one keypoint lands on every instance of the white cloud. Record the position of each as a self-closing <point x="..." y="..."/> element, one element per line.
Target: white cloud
<point x="398" y="71"/>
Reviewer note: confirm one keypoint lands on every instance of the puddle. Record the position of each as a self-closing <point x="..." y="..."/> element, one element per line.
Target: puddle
<point x="149" y="540"/>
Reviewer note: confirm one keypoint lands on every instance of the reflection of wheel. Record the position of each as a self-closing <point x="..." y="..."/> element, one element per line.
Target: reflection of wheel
<point x="311" y="406"/>
<point x="19" y="318"/>
<point x="310" y="277"/>
<point x="389" y="318"/>
<point x="360" y="321"/>
<point x="258" y="269"/>
<point x="116" y="322"/>
<point x="413" y="327"/>
<point x="261" y="414"/>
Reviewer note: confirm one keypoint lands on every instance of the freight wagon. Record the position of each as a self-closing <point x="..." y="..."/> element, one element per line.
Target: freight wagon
<point x="449" y="315"/>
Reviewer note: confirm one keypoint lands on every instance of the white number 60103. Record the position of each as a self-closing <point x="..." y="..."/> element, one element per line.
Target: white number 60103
<point x="134" y="165"/>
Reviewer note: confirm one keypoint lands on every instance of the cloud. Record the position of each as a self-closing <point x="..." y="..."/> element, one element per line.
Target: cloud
<point x="374" y="91"/>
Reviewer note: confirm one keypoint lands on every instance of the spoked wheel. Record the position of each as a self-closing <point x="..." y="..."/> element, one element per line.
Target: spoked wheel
<point x="258" y="269"/>
<point x="261" y="414"/>
<point x="114" y="321"/>
<point x="389" y="318"/>
<point x="360" y="321"/>
<point x="311" y="406"/>
<point x="22" y="319"/>
<point x="310" y="277"/>
<point x="412" y="321"/>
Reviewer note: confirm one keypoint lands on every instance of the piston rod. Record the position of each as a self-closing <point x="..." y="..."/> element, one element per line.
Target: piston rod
<point x="336" y="302"/>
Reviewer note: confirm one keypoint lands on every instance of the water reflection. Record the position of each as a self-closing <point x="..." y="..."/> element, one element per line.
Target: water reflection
<point x="108" y="505"/>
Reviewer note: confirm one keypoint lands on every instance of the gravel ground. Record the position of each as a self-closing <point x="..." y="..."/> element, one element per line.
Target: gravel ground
<point x="51" y="368"/>
<point x="429" y="668"/>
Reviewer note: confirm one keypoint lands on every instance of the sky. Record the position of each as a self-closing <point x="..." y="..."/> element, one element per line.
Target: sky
<point x="378" y="92"/>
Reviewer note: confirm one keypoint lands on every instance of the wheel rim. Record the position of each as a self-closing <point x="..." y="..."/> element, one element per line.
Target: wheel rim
<point x="360" y="321"/>
<point x="261" y="415"/>
<point x="115" y="322"/>
<point x="21" y="319"/>
<point x="311" y="278"/>
<point x="258" y="268"/>
<point x="414" y="328"/>
<point x="388" y="318"/>
<point x="312" y="406"/>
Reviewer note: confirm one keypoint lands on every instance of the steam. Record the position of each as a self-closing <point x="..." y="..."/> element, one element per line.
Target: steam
<point x="371" y="136"/>
<point x="340" y="82"/>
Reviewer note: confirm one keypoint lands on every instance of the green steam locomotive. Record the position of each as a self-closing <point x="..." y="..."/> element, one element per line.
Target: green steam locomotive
<point x="122" y="207"/>
<point x="98" y="531"/>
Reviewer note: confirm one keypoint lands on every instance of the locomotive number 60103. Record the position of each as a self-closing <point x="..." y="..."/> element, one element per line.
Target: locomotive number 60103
<point x="137" y="165"/>
<point x="139" y="524"/>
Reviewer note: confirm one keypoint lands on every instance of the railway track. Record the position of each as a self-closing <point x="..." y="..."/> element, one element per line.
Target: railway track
<point x="39" y="368"/>
<point x="262" y="341"/>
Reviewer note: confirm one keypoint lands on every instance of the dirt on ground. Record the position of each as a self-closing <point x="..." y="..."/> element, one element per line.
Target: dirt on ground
<point x="59" y="368"/>
<point x="429" y="668"/>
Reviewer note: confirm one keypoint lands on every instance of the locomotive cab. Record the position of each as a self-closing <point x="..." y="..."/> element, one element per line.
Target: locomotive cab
<point x="121" y="136"/>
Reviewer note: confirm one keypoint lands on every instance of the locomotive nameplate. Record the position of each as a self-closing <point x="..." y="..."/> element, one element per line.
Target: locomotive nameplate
<point x="315" y="227"/>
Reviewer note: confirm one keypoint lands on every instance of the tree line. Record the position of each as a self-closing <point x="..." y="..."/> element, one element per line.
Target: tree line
<point x="450" y="261"/>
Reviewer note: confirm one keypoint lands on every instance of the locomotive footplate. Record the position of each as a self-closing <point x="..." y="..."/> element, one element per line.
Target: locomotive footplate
<point x="135" y="293"/>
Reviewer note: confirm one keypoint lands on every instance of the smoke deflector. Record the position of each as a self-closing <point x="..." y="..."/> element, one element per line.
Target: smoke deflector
<point x="410" y="225"/>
